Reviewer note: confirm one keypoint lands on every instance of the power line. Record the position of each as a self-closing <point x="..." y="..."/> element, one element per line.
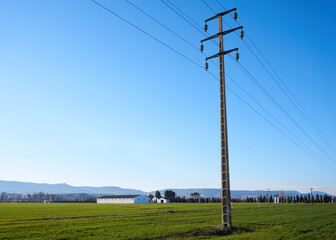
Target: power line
<point x="205" y="55"/>
<point x="234" y="61"/>
<point x="110" y="11"/>
<point x="293" y="99"/>
<point x="193" y="24"/>
<point x="305" y="114"/>
<point x="307" y="149"/>
<point x="208" y="6"/>
<point x="183" y="13"/>
<point x="256" y="82"/>
<point x="183" y="18"/>
<point x="151" y="36"/>
<point x="221" y="4"/>
<point x="288" y="92"/>
<point x="280" y="130"/>
<point x="148" y="15"/>
<point x="169" y="29"/>
<point x="273" y="100"/>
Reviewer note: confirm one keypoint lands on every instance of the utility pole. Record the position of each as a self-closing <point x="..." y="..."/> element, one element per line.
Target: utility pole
<point x="311" y="194"/>
<point x="225" y="182"/>
<point x="267" y="195"/>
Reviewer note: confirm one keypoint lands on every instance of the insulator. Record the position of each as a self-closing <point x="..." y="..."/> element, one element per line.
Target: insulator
<point x="205" y="27"/>
<point x="235" y="15"/>
<point x="206" y="66"/>
<point x="202" y="47"/>
<point x="241" y="34"/>
<point x="237" y="56"/>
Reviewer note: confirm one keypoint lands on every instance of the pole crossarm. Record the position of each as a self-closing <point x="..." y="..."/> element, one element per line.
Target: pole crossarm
<point x="221" y="34"/>
<point x="221" y="14"/>
<point x="221" y="53"/>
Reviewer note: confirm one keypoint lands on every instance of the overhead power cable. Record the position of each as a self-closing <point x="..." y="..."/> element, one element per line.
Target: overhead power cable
<point x="184" y="14"/>
<point x="285" y="88"/>
<point x="151" y="36"/>
<point x="257" y="83"/>
<point x="307" y="149"/>
<point x="321" y="162"/>
<point x="208" y="6"/>
<point x="169" y="29"/>
<point x="186" y="18"/>
<point x="195" y="24"/>
<point x="273" y="100"/>
<point x="110" y="11"/>
<point x="183" y="17"/>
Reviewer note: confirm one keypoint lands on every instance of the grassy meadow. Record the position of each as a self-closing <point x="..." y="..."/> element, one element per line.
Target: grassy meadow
<point x="165" y="221"/>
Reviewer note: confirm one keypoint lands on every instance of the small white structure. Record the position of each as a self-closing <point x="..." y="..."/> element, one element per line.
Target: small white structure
<point x="276" y="199"/>
<point x="160" y="200"/>
<point x="123" y="199"/>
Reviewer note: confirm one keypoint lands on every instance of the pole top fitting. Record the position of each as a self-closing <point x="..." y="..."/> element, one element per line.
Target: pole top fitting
<point x="221" y="14"/>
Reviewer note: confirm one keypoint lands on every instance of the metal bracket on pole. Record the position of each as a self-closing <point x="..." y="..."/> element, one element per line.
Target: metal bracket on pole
<point x="221" y="53"/>
<point x="222" y="33"/>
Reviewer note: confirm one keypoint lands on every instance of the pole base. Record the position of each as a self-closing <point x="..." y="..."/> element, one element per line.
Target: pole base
<point x="225" y="230"/>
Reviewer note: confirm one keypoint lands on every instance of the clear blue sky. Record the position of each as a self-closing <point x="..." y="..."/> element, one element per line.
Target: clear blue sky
<point x="86" y="99"/>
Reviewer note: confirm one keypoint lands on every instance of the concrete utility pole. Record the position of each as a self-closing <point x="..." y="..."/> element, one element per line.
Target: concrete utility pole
<point x="226" y="198"/>
<point x="311" y="194"/>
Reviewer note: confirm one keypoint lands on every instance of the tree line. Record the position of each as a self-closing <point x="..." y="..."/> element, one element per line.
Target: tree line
<point x="41" y="197"/>
<point x="195" y="197"/>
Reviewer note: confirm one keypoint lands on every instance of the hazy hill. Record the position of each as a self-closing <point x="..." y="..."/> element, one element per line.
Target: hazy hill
<point x="61" y="188"/>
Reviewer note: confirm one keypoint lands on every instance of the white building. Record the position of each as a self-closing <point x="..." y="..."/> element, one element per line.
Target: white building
<point x="160" y="200"/>
<point x="123" y="199"/>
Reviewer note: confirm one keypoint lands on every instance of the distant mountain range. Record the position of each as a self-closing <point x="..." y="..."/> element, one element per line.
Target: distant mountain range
<point x="62" y="188"/>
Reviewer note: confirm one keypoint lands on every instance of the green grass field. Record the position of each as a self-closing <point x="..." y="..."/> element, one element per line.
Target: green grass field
<point x="165" y="221"/>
